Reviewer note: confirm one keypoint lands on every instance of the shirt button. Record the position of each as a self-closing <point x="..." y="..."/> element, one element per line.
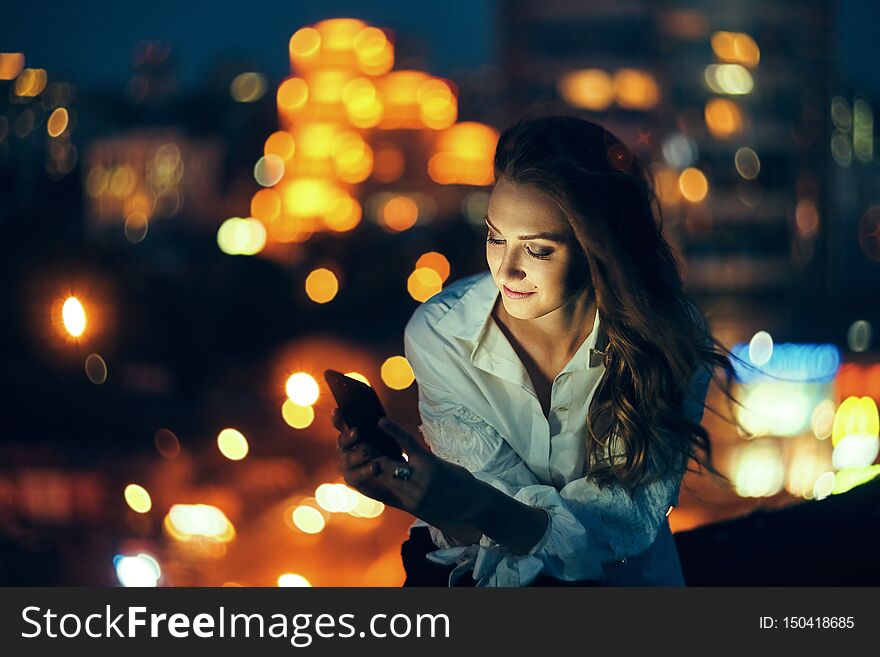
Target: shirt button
<point x="562" y="409"/>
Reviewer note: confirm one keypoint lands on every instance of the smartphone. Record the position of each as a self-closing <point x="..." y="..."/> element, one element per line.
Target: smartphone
<point x="361" y="409"/>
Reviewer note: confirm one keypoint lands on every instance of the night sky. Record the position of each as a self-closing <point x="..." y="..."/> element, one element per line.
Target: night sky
<point x="92" y="41"/>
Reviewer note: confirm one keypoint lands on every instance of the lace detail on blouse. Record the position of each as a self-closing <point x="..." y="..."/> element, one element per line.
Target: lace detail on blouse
<point x="461" y="437"/>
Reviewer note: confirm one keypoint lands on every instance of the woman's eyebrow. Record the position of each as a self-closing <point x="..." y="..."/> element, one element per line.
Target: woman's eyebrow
<point x="552" y="237"/>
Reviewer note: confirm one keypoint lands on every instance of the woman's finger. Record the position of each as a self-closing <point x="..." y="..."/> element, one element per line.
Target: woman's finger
<point x="409" y="443"/>
<point x="336" y="419"/>
<point x="361" y="474"/>
<point x="347" y="439"/>
<point x="355" y="457"/>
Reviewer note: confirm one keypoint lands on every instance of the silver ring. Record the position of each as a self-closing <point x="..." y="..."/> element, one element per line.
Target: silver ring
<point x="403" y="471"/>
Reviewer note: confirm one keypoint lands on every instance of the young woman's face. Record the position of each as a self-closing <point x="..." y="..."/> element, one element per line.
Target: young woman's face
<point x="532" y="253"/>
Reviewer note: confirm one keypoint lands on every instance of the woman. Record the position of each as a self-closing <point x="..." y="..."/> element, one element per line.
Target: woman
<point x="560" y="392"/>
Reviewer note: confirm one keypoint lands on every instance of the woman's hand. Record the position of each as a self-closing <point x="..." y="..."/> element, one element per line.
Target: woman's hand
<point x="438" y="492"/>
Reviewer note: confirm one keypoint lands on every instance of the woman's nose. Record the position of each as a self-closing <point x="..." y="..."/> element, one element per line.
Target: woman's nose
<point x="511" y="266"/>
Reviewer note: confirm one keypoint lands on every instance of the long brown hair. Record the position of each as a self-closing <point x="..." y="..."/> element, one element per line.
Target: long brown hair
<point x="656" y="336"/>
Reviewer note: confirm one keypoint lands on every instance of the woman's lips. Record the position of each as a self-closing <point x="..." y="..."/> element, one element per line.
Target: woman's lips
<point x="510" y="294"/>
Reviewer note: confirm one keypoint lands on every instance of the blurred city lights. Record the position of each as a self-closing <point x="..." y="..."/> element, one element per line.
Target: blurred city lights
<point x="723" y="118"/>
<point x="167" y="443"/>
<point x="822" y="419"/>
<point x="436" y="261"/>
<point x="336" y="498"/>
<point x="805" y="363"/>
<point x="74" y="316"/>
<point x="781" y="409"/>
<point x="747" y="163"/>
<point x="57" y="123"/>
<point x="761" y="348"/>
<point x="248" y="87"/>
<point x="423" y="283"/>
<point x="96" y="369"/>
<point x="308" y="519"/>
<point x="736" y="47"/>
<point x="848" y="478"/>
<point x="357" y="376"/>
<point x="859" y="335"/>
<point x="11" y="65"/>
<point x="268" y="170"/>
<point x="186" y="522"/>
<point x="141" y="570"/>
<point x="590" y="89"/>
<point x="293" y="580"/>
<point x="856" y="433"/>
<point x="138" y="498"/>
<point x="693" y="185"/>
<point x="636" y="89"/>
<point x="396" y="373"/>
<point x="679" y="151"/>
<point x="322" y="286"/>
<point x="731" y="79"/>
<point x="296" y="416"/>
<point x="824" y="485"/>
<point x="237" y="236"/>
<point x="758" y="469"/>
<point x="232" y="444"/>
<point x="302" y="389"/>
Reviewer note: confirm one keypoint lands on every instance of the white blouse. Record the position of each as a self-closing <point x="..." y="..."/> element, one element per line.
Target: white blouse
<point x="479" y="410"/>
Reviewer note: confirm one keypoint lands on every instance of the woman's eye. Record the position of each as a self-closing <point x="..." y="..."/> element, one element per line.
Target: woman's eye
<point x="541" y="255"/>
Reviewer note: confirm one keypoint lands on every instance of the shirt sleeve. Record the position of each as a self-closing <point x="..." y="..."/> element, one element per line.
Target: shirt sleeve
<point x="588" y="527"/>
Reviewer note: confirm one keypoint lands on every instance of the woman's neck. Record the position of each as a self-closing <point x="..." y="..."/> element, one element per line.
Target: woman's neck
<point x="557" y="335"/>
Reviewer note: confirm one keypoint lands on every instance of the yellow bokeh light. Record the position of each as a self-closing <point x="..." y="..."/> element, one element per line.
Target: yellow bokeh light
<point x="636" y="89"/>
<point x="302" y="389"/>
<point x="232" y="444"/>
<point x="308" y="519"/>
<point x="280" y="143"/>
<point x="185" y="522"/>
<point x="237" y="236"/>
<point x="336" y="498"/>
<point x="266" y="205"/>
<point x="74" y="316"/>
<point x="396" y="373"/>
<point x="693" y="185"/>
<point x="304" y="43"/>
<point x="856" y="416"/>
<point x="57" y="123"/>
<point x="343" y="213"/>
<point x="294" y="580"/>
<point x="464" y="155"/>
<point x="138" y="498"/>
<point x="423" y="283"/>
<point x="11" y="65"/>
<point x="590" y="89"/>
<point x="400" y="213"/>
<point x="436" y="261"/>
<point x="31" y="82"/>
<point x="322" y="285"/>
<point x="296" y="416"/>
<point x="357" y="376"/>
<point x="736" y="47"/>
<point x="292" y="93"/>
<point x="304" y="197"/>
<point x="723" y="118"/>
